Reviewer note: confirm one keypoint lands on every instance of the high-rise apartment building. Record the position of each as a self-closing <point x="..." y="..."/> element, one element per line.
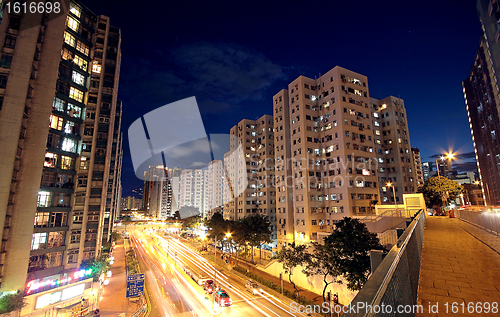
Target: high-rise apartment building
<point x="417" y="165"/>
<point x="193" y="189"/>
<point x="57" y="132"/>
<point x="392" y="145"/>
<point x="215" y="187"/>
<point x="159" y="192"/>
<point x="482" y="98"/>
<point x="256" y="195"/>
<point x="131" y="203"/>
<point x="426" y="170"/>
<point x="335" y="147"/>
<point x="482" y="107"/>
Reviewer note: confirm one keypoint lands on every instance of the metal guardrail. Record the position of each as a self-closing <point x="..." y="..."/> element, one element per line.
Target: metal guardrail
<point x="394" y="283"/>
<point x="490" y="221"/>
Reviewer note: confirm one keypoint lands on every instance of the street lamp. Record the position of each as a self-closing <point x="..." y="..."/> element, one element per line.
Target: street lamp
<point x="389" y="184"/>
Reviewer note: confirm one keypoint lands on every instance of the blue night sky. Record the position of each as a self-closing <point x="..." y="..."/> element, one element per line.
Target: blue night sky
<point x="235" y="55"/>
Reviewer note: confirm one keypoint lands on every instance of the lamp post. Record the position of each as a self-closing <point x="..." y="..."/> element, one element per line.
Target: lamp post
<point x="437" y="165"/>
<point x="389" y="184"/>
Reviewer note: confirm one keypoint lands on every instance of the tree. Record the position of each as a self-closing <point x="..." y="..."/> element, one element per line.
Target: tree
<point x="98" y="266"/>
<point x="11" y="302"/>
<point x="350" y="244"/>
<point x="115" y="236"/>
<point x="217" y="226"/>
<point x="292" y="256"/>
<point x="323" y="261"/>
<point x="191" y="222"/>
<point x="126" y="219"/>
<point x="259" y="229"/>
<point x="437" y="190"/>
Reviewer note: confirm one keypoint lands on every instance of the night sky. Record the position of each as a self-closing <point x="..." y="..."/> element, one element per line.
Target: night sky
<point x="234" y="56"/>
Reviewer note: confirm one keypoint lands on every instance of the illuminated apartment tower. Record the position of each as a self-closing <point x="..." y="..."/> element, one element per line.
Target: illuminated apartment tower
<point x="393" y="149"/>
<point x="325" y="158"/>
<point x="481" y="98"/>
<point x="417" y="165"/>
<point x="115" y="173"/>
<point x="96" y="167"/>
<point x="46" y="84"/>
<point x="160" y="192"/>
<point x="193" y="189"/>
<point x="481" y="92"/>
<point x="215" y="187"/>
<point x="257" y="165"/>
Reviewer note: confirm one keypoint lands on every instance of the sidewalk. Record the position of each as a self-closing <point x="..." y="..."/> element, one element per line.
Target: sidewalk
<point x="460" y="264"/>
<point x="113" y="298"/>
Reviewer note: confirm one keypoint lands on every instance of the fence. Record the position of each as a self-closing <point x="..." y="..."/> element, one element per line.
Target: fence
<point x="490" y="221"/>
<point x="388" y="237"/>
<point x="394" y="283"/>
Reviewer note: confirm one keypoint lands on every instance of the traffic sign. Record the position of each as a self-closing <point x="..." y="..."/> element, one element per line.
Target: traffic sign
<point x="135" y="285"/>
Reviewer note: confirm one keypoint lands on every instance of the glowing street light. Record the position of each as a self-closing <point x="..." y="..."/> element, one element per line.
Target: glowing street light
<point x="389" y="184"/>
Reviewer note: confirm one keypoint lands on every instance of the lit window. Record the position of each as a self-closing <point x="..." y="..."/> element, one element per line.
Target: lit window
<point x="58" y="104"/>
<point x="74" y="111"/>
<point x="70" y="127"/>
<point x="44" y="199"/>
<point x="72" y="24"/>
<point x="66" y="162"/>
<point x="78" y="78"/>
<point x="56" y="122"/>
<point x="80" y="62"/>
<point x="50" y="160"/>
<point x="74" y="9"/>
<point x="377" y="124"/>
<point x="375" y="114"/>
<point x="69" y="145"/>
<point x="81" y="47"/>
<point x="69" y="39"/>
<point x="76" y="94"/>
<point x="366" y="172"/>
<point x="38" y="241"/>
<point x="377" y="132"/>
<point x="360" y="184"/>
<point x="96" y="68"/>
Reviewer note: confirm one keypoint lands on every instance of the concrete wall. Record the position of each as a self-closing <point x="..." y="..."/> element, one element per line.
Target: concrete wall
<point x="312" y="283"/>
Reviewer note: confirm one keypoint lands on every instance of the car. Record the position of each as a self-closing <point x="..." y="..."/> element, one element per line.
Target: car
<point x="222" y="298"/>
<point x="253" y="287"/>
<point x="209" y="286"/>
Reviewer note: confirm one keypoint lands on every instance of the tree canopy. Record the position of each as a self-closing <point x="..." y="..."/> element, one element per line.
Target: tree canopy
<point x="218" y="226"/>
<point x="325" y="262"/>
<point x="292" y="256"/>
<point x="439" y="189"/>
<point x="348" y="247"/>
<point x="191" y="222"/>
<point x="11" y="302"/>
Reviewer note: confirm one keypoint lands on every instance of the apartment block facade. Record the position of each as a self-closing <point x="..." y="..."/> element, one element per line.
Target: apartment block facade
<point x="59" y="172"/>
<point x="252" y="171"/>
<point x="392" y="145"/>
<point x="193" y="189"/>
<point x="215" y="187"/>
<point x="159" y="192"/>
<point x="335" y="147"/>
<point x="417" y="165"/>
<point x="482" y="98"/>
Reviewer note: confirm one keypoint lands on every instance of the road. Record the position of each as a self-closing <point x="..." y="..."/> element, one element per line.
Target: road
<point x="175" y="294"/>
